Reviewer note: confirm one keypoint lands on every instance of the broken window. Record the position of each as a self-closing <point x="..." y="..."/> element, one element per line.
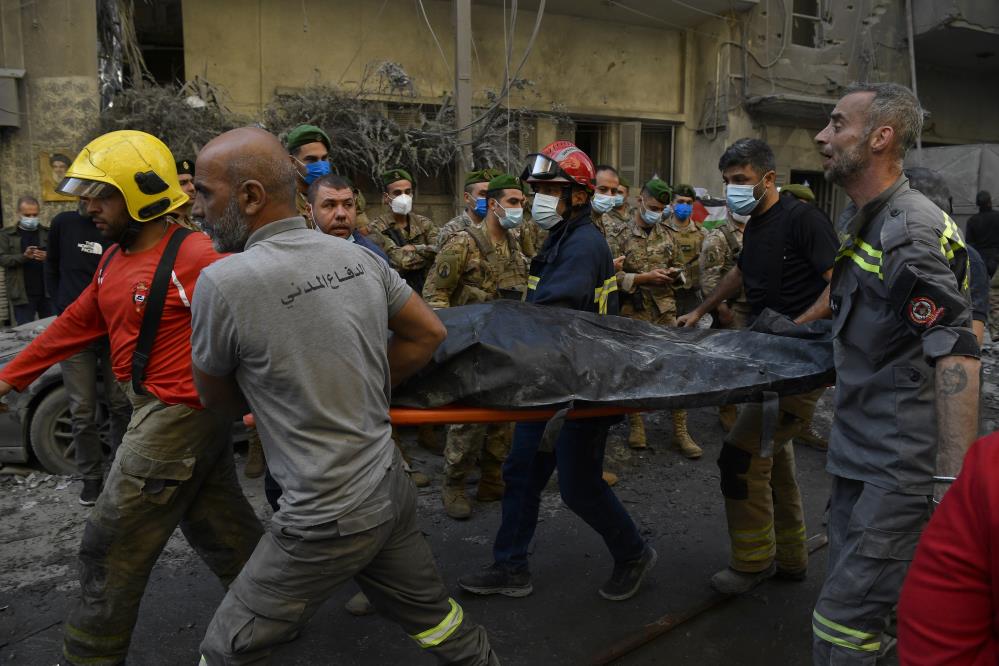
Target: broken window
<point x="806" y="23"/>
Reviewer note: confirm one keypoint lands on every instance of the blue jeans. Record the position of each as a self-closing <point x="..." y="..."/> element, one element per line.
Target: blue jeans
<point x="579" y="457"/>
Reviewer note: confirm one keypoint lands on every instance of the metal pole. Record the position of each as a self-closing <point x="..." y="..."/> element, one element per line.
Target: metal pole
<point x="462" y="89"/>
<point x="912" y="70"/>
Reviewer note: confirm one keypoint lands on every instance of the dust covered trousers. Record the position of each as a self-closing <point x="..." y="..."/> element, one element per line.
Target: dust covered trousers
<point x="900" y="302"/>
<point x="380" y="546"/>
<point x="174" y="467"/>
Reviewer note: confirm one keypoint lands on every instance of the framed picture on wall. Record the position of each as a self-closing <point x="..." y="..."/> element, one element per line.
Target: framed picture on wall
<point x="52" y="166"/>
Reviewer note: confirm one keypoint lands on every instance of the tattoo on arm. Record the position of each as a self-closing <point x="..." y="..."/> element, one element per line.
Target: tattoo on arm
<point x="954" y="380"/>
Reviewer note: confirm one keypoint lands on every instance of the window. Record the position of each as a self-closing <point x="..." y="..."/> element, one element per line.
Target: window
<point x="806" y="23"/>
<point x="657" y="153"/>
<point x="160" y="32"/>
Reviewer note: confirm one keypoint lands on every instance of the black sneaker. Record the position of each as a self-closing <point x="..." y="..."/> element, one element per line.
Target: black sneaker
<point x="496" y="580"/>
<point x="91" y="491"/>
<point x="628" y="576"/>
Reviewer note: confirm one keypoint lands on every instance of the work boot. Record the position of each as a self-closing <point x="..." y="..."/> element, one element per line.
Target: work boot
<point x="636" y="431"/>
<point x="812" y="439"/>
<point x="494" y="579"/>
<point x="254" y="457"/>
<point x="681" y="438"/>
<point x="359" y="605"/>
<point x="428" y="438"/>
<point x="727" y="415"/>
<point x="610" y="478"/>
<point x="732" y="582"/>
<point x="491" y="484"/>
<point x="628" y="576"/>
<point x="420" y="480"/>
<point x="91" y="491"/>
<point x="456" y="502"/>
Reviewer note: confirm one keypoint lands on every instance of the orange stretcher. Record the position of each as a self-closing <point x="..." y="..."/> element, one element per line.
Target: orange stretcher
<point x="408" y="416"/>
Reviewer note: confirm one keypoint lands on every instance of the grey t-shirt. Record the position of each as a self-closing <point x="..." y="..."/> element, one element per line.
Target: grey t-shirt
<point x="302" y="320"/>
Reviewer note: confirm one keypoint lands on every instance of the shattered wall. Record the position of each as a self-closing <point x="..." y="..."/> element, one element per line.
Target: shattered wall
<point x="55" y="42"/>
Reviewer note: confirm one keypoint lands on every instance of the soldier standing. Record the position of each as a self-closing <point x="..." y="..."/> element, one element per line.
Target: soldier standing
<point x="617" y="221"/>
<point x="475" y="208"/>
<point x="477" y="265"/>
<point x="719" y="254"/>
<point x="309" y="148"/>
<point x="907" y="368"/>
<point x="650" y="272"/>
<point x="408" y="239"/>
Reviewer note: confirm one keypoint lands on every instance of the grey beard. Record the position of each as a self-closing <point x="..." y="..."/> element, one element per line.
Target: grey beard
<point x="229" y="234"/>
<point x="846" y="167"/>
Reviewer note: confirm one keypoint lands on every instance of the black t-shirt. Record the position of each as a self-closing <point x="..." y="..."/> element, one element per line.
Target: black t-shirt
<point x="75" y="248"/>
<point x="983" y="235"/>
<point x="793" y="242"/>
<point x="34" y="275"/>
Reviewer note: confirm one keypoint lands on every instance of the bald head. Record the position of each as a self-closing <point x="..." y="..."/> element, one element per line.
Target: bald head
<point x="244" y="180"/>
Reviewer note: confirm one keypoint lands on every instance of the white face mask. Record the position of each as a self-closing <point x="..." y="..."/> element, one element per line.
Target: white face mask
<point x="402" y="204"/>
<point x="741" y="219"/>
<point x="511" y="218"/>
<point x="544" y="210"/>
<point x="29" y="223"/>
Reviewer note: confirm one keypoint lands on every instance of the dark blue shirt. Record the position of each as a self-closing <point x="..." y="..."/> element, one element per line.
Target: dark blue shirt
<point x="34" y="274"/>
<point x="363" y="241"/>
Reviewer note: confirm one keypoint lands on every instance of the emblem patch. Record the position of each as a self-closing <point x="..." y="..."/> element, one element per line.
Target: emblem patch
<point x="444" y="270"/>
<point x="924" y="312"/>
<point x="140" y="292"/>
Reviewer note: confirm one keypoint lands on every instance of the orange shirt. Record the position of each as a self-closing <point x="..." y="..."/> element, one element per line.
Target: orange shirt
<point x="113" y="305"/>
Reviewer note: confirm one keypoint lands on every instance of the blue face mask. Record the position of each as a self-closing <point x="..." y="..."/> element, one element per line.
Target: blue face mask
<point x="618" y="200"/>
<point x="28" y="223"/>
<point x="602" y="202"/>
<point x="316" y="170"/>
<point x="740" y="198"/>
<point x="651" y="216"/>
<point x="481" y="207"/>
<point x="682" y="211"/>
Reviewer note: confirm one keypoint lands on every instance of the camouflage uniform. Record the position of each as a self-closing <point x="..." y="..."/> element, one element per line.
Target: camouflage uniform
<point x="617" y="226"/>
<point x="719" y="253"/>
<point x="419" y="232"/>
<point x="643" y="251"/>
<point x="688" y="241"/>
<point x="532" y="237"/>
<point x="454" y="225"/>
<point x="361" y="205"/>
<point x="471" y="268"/>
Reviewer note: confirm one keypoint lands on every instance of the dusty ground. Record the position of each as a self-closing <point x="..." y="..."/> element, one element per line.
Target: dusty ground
<point x="675" y="502"/>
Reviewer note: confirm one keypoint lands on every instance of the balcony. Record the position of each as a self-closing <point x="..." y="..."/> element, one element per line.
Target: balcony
<point x="957" y="34"/>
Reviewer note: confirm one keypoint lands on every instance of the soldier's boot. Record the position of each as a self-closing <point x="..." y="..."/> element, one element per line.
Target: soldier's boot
<point x="610" y="478"/>
<point x="428" y="438"/>
<point x="727" y="415"/>
<point x="420" y="480"/>
<point x="636" y="431"/>
<point x="491" y="484"/>
<point x="681" y="438"/>
<point x="456" y="503"/>
<point x="254" y="457"/>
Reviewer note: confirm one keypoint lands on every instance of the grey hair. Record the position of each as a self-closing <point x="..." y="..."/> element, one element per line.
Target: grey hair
<point x="277" y="175"/>
<point x="894" y="106"/>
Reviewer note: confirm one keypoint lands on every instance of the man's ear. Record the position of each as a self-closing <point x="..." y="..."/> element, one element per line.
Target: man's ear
<point x="253" y="196"/>
<point x="579" y="198"/>
<point x="881" y="138"/>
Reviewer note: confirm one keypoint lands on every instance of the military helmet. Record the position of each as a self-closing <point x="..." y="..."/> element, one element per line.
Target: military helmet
<point x="136" y="164"/>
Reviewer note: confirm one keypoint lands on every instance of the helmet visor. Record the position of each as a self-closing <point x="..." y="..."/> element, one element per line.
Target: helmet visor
<point x="542" y="167"/>
<point x="81" y="187"/>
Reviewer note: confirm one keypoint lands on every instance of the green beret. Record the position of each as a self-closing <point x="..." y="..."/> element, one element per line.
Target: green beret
<point x="304" y="134"/>
<point x="684" y="190"/>
<point x="803" y="192"/>
<point x="185" y="166"/>
<point x="481" y="176"/>
<point x="392" y="175"/>
<point x="504" y="181"/>
<point x="623" y="181"/>
<point x="660" y="190"/>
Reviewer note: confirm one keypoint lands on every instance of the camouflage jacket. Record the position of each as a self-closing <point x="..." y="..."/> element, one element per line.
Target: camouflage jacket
<point x="532" y="237"/>
<point x="420" y="232"/>
<point x="688" y="242"/>
<point x="719" y="253"/>
<point x="470" y="268"/>
<point x="617" y="228"/>
<point x="453" y="226"/>
<point x="644" y="250"/>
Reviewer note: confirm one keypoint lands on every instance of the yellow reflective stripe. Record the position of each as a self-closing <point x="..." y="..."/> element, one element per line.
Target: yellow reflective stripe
<point x="875" y="254"/>
<point x="791" y="536"/>
<point x="866" y="647"/>
<point x="860" y="261"/>
<point x="436" y="635"/>
<point x="856" y="633"/>
<point x="600" y="294"/>
<point x="749" y="535"/>
<point x="755" y="554"/>
<point x="532" y="282"/>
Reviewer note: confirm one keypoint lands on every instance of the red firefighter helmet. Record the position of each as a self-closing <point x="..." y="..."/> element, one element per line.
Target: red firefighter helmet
<point x="560" y="162"/>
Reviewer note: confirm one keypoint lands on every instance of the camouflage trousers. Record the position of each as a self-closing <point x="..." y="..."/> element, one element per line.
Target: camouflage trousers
<point x="470" y="445"/>
<point x="174" y="468"/>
